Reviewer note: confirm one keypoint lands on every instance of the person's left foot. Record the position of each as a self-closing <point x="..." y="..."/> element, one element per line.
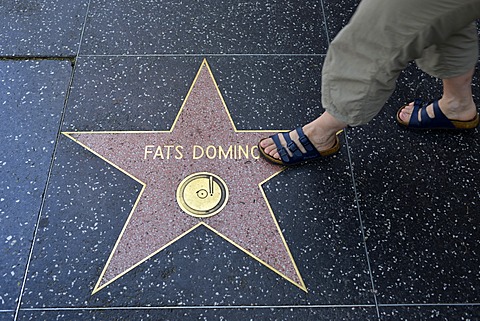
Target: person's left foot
<point x="455" y="111"/>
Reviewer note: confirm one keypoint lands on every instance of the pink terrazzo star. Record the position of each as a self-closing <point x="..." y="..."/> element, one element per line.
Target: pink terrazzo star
<point x="202" y="139"/>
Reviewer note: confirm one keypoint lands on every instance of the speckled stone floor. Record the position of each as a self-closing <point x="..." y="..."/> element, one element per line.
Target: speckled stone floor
<point x="113" y="110"/>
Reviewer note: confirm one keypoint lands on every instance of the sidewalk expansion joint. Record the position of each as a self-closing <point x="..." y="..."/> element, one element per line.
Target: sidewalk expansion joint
<point x="72" y="59"/>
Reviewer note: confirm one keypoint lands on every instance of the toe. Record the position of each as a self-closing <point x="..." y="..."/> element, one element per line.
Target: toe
<point x="266" y="142"/>
<point x="406" y="112"/>
<point x="271" y="150"/>
<point x="404" y="115"/>
<point x="269" y="147"/>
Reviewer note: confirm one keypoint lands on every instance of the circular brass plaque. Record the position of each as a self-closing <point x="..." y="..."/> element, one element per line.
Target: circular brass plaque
<point x="202" y="194"/>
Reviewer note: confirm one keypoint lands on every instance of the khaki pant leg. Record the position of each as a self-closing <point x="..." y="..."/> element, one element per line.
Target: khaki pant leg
<point x="383" y="36"/>
<point x="455" y="57"/>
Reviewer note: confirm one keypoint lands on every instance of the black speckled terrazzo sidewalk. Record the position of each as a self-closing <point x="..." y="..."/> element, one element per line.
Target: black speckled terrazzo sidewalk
<point x="387" y="229"/>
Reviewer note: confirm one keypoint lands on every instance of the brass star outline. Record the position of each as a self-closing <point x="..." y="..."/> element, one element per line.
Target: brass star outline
<point x="293" y="277"/>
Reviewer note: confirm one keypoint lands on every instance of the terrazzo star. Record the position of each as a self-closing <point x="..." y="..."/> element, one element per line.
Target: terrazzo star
<point x="189" y="182"/>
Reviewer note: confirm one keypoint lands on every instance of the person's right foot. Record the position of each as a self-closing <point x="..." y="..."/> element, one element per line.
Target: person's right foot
<point x="321" y="143"/>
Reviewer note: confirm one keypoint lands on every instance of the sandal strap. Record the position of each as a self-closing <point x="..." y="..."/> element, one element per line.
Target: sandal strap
<point x="297" y="155"/>
<point x="439" y="119"/>
<point x="311" y="151"/>
<point x="294" y="149"/>
<point x="292" y="153"/>
<point x="307" y="144"/>
<point x="417" y="104"/>
<point x="280" y="149"/>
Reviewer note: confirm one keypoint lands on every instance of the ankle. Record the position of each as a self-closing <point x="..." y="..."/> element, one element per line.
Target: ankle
<point x="318" y="134"/>
<point x="458" y="108"/>
<point x="457" y="104"/>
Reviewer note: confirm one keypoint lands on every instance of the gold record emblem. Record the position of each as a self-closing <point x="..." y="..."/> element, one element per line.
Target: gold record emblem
<point x="202" y="194"/>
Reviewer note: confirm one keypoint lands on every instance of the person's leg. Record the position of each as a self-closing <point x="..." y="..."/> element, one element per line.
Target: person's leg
<point x="456" y="102"/>
<point x="453" y="62"/>
<point x="365" y="59"/>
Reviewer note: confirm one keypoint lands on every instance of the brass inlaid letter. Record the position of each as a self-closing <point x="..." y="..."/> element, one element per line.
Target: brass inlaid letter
<point x="179" y="153"/>
<point x="223" y="154"/>
<point x="252" y="151"/>
<point x="242" y="151"/>
<point x="195" y="149"/>
<point x="148" y="151"/>
<point x="211" y="152"/>
<point x="169" y="148"/>
<point x="158" y="153"/>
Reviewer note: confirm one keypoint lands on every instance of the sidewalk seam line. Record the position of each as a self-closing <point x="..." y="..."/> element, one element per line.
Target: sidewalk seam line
<point x="49" y="174"/>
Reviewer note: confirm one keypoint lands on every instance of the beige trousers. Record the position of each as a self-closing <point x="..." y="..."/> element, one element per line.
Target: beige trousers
<point x="383" y="36"/>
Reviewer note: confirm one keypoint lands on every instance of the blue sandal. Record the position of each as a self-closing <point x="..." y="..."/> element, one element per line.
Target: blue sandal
<point x="439" y="121"/>
<point x="296" y="154"/>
